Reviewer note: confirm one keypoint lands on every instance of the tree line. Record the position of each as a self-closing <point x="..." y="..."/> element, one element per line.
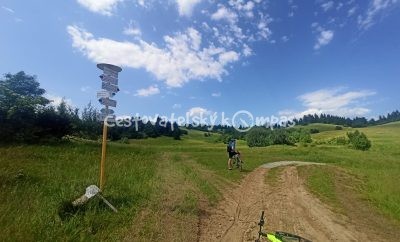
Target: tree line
<point x="356" y="122"/>
<point x="26" y="115"/>
<point x="229" y="132"/>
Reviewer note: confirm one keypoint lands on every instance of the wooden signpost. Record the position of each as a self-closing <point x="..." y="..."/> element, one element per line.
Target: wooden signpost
<point x="109" y="80"/>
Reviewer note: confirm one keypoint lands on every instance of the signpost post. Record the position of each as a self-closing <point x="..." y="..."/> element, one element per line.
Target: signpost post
<point x="109" y="85"/>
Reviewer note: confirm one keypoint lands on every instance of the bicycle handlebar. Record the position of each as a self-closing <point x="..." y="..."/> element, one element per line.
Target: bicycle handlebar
<point x="261" y="224"/>
<point x="278" y="235"/>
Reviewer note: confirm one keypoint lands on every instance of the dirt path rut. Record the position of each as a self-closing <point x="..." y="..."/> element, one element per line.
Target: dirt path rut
<point x="288" y="207"/>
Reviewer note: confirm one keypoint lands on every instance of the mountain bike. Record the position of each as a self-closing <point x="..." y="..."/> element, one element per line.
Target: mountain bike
<point x="237" y="162"/>
<point x="277" y="236"/>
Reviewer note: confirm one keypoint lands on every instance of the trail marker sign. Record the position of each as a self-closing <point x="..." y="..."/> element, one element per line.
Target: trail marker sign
<point x="109" y="87"/>
<point x="109" y="79"/>
<point x="107" y="118"/>
<point x="109" y="84"/>
<point x="104" y="94"/>
<point x="108" y="102"/>
<point x="106" y="111"/>
<point x="110" y="70"/>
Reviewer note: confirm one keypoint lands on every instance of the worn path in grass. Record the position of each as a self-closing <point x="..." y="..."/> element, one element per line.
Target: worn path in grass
<point x="288" y="207"/>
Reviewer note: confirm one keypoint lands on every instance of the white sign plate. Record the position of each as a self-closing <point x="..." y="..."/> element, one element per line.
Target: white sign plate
<point x="110" y="118"/>
<point x="109" y="79"/>
<point x="106" y="111"/>
<point x="103" y="94"/>
<point x="110" y="72"/>
<point x="107" y="86"/>
<point x="108" y="102"/>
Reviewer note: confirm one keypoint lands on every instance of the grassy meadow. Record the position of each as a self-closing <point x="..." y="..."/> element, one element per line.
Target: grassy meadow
<point x="154" y="182"/>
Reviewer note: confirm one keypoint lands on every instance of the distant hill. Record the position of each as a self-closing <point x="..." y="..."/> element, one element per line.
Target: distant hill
<point x="320" y="127"/>
<point x="356" y="122"/>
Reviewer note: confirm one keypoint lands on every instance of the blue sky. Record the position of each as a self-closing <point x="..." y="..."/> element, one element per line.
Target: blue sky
<point x="268" y="57"/>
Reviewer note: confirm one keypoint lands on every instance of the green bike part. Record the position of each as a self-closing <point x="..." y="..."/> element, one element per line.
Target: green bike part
<point x="273" y="238"/>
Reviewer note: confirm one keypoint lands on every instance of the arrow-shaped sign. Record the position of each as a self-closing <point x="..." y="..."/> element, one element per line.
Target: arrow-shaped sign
<point x="103" y="94"/>
<point x="109" y="87"/>
<point x="109" y="72"/>
<point x="110" y="118"/>
<point x="106" y="111"/>
<point x="109" y="79"/>
<point x="108" y="102"/>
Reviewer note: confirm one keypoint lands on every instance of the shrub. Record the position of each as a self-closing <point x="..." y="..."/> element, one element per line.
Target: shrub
<point x="337" y="127"/>
<point x="341" y="140"/>
<point x="280" y="137"/>
<point x="258" y="137"/>
<point x="314" y="131"/>
<point x="299" y="136"/>
<point x="359" y="140"/>
<point x="208" y="134"/>
<point x="261" y="136"/>
<point x="124" y="140"/>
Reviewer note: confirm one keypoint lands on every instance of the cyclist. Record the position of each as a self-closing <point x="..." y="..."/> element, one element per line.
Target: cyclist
<point x="230" y="148"/>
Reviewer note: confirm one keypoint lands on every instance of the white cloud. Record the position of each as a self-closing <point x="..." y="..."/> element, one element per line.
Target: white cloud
<point x="142" y="3"/>
<point x="324" y="38"/>
<point x="180" y="61"/>
<point x="285" y="38"/>
<point x="332" y="98"/>
<point x="133" y="30"/>
<point x="327" y="5"/>
<point x="314" y="25"/>
<point x="263" y="30"/>
<point x="56" y="100"/>
<point x="85" y="89"/>
<point x="104" y="7"/>
<point x="216" y="94"/>
<point x="185" y="7"/>
<point x="8" y="9"/>
<point x="177" y="106"/>
<point x="224" y="13"/>
<point x="244" y="26"/>
<point x="150" y="91"/>
<point x="332" y="101"/>
<point x="227" y="57"/>
<point x="351" y="11"/>
<point x="247" y="51"/>
<point x="245" y="8"/>
<point x="376" y="8"/>
<point x="198" y="111"/>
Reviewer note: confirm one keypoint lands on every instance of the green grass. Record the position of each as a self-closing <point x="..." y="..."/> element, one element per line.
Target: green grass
<point x="272" y="175"/>
<point x="320" y="180"/>
<point x="36" y="179"/>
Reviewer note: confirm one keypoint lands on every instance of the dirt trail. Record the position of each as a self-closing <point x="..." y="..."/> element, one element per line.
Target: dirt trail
<point x="288" y="207"/>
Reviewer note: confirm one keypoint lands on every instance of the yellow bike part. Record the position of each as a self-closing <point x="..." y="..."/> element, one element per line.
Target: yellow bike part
<point x="273" y="238"/>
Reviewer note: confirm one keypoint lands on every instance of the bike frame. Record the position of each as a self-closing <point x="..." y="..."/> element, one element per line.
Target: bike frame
<point x="277" y="236"/>
<point x="236" y="160"/>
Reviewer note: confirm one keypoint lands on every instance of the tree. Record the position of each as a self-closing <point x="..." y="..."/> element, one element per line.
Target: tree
<point x="359" y="140"/>
<point x="56" y="122"/>
<point x="20" y="99"/>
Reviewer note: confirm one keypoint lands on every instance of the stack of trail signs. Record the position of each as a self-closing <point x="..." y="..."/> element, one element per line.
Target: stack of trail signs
<point x="109" y="85"/>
